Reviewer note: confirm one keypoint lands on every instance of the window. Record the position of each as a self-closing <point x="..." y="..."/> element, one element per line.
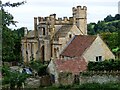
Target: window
<point x="98" y="58"/>
<point x="43" y="31"/>
<point x="70" y="36"/>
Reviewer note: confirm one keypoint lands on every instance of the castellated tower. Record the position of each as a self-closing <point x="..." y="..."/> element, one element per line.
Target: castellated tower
<point x="35" y="27"/>
<point x="80" y="18"/>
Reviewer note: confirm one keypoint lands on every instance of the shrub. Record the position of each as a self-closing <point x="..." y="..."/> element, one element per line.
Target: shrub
<point x="107" y="65"/>
<point x="39" y="67"/>
<point x="13" y="78"/>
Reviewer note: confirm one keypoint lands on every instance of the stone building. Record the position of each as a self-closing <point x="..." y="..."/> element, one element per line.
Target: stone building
<point x="90" y="47"/>
<point x="54" y="38"/>
<point x="51" y="35"/>
<point x="76" y="55"/>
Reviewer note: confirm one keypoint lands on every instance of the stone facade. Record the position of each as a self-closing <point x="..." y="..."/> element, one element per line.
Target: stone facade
<point x="98" y="49"/>
<point x="92" y="48"/>
<point x="51" y="35"/>
<point x="99" y="77"/>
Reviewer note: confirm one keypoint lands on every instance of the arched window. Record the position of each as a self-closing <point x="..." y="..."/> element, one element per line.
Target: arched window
<point x="43" y="31"/>
<point x="70" y="35"/>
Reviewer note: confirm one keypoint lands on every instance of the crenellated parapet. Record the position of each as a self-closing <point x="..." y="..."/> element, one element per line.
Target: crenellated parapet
<point x="74" y="9"/>
<point x="64" y="20"/>
<point x="52" y="18"/>
<point x="79" y="19"/>
<point x="79" y="11"/>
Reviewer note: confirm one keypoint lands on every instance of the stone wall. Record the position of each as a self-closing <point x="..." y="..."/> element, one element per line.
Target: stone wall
<point x="89" y="77"/>
<point x="66" y="78"/>
<point x="99" y="77"/>
<point x="36" y="82"/>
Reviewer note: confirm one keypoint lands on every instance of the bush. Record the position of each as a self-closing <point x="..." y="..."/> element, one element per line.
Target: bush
<point x="107" y="65"/>
<point x="13" y="78"/>
<point x="39" y="67"/>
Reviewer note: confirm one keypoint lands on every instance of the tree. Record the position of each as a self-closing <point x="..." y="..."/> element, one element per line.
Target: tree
<point x="9" y="37"/>
<point x="90" y="28"/>
<point x="13" y="78"/>
<point x="117" y="17"/>
<point x="108" y="18"/>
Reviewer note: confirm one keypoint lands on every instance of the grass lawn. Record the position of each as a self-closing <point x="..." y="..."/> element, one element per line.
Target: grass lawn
<point x="87" y="86"/>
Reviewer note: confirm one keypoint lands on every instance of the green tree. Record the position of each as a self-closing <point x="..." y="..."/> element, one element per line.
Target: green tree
<point x="108" y="18"/>
<point x="90" y="28"/>
<point x="9" y="37"/>
<point x="13" y="78"/>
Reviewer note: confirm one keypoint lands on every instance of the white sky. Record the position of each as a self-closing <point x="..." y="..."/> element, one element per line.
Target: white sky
<point x="96" y="9"/>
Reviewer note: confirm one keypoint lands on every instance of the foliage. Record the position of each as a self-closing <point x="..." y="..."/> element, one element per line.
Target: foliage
<point x="107" y="65"/>
<point x="110" y="18"/>
<point x="11" y="40"/>
<point x="111" y="39"/>
<point x="7" y="18"/>
<point x="8" y="45"/>
<point x="13" y="78"/>
<point x="86" y="86"/>
<point x="39" y="67"/>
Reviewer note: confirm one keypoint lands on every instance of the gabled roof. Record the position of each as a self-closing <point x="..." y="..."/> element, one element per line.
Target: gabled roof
<point x="78" y="45"/>
<point x="62" y="32"/>
<point x="74" y="66"/>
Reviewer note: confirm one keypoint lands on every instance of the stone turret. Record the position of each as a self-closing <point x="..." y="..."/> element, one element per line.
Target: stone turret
<point x="25" y="31"/>
<point x="52" y="24"/>
<point x="35" y="27"/>
<point x="80" y="18"/>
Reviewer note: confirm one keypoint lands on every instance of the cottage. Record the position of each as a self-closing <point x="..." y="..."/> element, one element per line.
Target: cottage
<point x="92" y="48"/>
<point x="72" y="66"/>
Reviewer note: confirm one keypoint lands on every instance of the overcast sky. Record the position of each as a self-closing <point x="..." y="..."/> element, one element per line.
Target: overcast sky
<point x="96" y="9"/>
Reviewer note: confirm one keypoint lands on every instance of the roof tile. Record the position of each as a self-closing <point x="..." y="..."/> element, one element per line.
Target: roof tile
<point x="74" y="66"/>
<point x="78" y="45"/>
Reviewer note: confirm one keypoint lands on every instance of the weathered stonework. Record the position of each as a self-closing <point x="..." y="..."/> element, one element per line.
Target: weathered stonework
<point x="98" y="48"/>
<point x="51" y="35"/>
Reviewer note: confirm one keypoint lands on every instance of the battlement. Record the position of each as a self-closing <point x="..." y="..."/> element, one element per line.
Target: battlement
<point x="64" y="20"/>
<point x="79" y="8"/>
<point x="52" y="17"/>
<point x="79" y="19"/>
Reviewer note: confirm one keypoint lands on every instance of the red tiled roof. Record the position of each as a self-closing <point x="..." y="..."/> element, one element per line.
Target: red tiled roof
<point x="74" y="66"/>
<point x="78" y="45"/>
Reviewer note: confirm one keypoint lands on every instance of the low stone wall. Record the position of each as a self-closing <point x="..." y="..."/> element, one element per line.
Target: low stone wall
<point x="89" y="77"/>
<point x="66" y="78"/>
<point x="38" y="81"/>
<point x="99" y="77"/>
<point x="45" y="80"/>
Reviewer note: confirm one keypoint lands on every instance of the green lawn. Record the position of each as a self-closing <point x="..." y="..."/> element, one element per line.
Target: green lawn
<point x="87" y="86"/>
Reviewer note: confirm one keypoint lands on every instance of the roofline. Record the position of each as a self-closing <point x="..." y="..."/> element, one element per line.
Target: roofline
<point x="105" y="44"/>
<point x="89" y="45"/>
<point x="68" y="44"/>
<point x="85" y="49"/>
